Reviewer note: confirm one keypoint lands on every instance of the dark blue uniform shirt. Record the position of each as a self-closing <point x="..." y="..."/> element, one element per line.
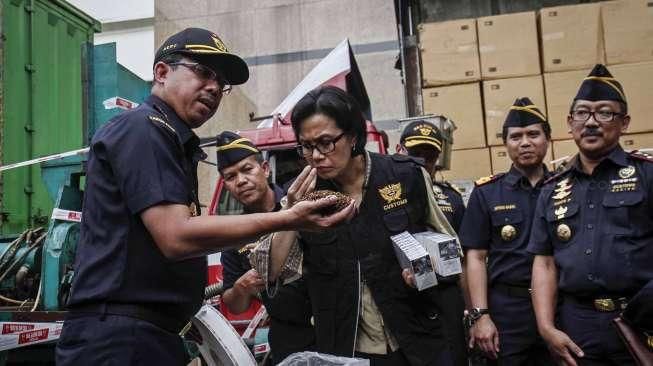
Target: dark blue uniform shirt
<point x="140" y="158"/>
<point x="599" y="227"/>
<point x="235" y="262"/>
<point x="498" y="218"/>
<point x="450" y="202"/>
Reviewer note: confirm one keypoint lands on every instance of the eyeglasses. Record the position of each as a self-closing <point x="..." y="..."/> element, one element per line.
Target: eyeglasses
<point x="599" y="116"/>
<point x="205" y="73"/>
<point x="324" y="147"/>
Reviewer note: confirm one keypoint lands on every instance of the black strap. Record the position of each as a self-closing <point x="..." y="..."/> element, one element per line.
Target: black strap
<point x="161" y="320"/>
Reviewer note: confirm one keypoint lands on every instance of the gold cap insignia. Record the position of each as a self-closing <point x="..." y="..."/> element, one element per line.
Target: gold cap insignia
<point x="626" y="172"/>
<point x="563" y="231"/>
<point x="218" y="43"/>
<point x="391" y="192"/>
<point x="425" y="131"/>
<point x="508" y="233"/>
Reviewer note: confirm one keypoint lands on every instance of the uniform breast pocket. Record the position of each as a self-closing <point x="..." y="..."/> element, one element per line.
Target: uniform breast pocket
<point x="621" y="211"/>
<point x="563" y="223"/>
<point x="507" y="225"/>
<point x="396" y="221"/>
<point x="320" y="253"/>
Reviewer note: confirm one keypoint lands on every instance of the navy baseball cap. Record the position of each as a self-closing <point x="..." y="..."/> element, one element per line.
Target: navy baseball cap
<point x="208" y="49"/>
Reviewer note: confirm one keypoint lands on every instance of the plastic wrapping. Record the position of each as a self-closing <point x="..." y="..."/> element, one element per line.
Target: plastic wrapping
<point x="320" y="359"/>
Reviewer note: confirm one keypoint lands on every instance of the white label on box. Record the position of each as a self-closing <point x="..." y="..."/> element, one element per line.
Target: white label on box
<point x="486" y="49"/>
<point x="494" y="113"/>
<point x="553" y="36"/>
<point x="465" y="48"/>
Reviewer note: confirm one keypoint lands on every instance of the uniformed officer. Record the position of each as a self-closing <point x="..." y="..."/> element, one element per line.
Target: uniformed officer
<point x="140" y="265"/>
<point x="245" y="175"/>
<point x="593" y="231"/>
<point x="424" y="140"/>
<point x="495" y="231"/>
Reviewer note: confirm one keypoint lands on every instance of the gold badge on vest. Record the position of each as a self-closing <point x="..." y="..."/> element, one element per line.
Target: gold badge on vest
<point x="508" y="233"/>
<point x="392" y="195"/>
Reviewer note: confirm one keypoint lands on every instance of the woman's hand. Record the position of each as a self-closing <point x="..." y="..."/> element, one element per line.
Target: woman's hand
<point x="304" y="184"/>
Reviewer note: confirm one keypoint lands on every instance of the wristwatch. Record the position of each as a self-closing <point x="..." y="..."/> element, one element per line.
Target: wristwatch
<point x="477" y="313"/>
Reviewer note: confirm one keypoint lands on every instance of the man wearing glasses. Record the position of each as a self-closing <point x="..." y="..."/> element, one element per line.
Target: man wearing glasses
<point x="593" y="231"/>
<point x="140" y="265"/>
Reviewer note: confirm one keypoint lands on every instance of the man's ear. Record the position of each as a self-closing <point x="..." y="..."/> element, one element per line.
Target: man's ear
<point x="625" y="124"/>
<point x="265" y="165"/>
<point x="161" y="71"/>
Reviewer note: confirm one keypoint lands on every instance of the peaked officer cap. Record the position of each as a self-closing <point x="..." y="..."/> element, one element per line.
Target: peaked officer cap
<point x="421" y="133"/>
<point x="600" y="85"/>
<point x="208" y="49"/>
<point x="232" y="148"/>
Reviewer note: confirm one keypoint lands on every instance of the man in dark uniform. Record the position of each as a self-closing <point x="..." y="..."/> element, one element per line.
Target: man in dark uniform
<point x="140" y="265"/>
<point x="495" y="231"/>
<point x="245" y="175"/>
<point x="424" y="140"/>
<point x="593" y="231"/>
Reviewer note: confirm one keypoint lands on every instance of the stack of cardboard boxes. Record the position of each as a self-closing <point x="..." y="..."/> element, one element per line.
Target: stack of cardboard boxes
<point x="474" y="69"/>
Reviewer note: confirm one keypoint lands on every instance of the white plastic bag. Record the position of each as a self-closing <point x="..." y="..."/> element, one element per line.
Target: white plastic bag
<point x="320" y="359"/>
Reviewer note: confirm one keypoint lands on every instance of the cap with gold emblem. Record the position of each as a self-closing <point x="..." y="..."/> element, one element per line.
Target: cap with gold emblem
<point x="208" y="49"/>
<point x="420" y="133"/>
<point x="600" y="85"/>
<point x="232" y="148"/>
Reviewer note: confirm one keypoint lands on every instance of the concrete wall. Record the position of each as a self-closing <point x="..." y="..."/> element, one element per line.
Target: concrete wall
<point x="282" y="40"/>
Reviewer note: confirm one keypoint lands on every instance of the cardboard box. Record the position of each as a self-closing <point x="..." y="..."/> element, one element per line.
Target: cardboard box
<point x="499" y="95"/>
<point x="508" y="45"/>
<point x="501" y="161"/>
<point x="628" y="30"/>
<point x="571" y="37"/>
<point x="469" y="164"/>
<point x="560" y="89"/>
<point x="449" y="52"/>
<point x="462" y="104"/>
<point x="637" y="79"/>
<point x="639" y="141"/>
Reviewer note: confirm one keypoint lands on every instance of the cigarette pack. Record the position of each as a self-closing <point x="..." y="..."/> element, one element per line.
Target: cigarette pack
<point x="444" y="251"/>
<point x="414" y="257"/>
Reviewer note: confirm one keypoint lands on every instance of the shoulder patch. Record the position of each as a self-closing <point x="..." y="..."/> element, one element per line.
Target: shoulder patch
<point x="161" y="122"/>
<point x="639" y="155"/>
<point x="488" y="179"/>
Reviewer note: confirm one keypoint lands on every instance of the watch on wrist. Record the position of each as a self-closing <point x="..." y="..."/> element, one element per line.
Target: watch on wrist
<point x="477" y="313"/>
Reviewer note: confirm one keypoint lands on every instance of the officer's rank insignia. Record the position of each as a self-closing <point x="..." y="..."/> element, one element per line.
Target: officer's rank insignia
<point x="563" y="231"/>
<point x="562" y="192"/>
<point x="425" y="130"/>
<point x="193" y="209"/>
<point x="560" y="212"/>
<point x="392" y="196"/>
<point x="626" y="172"/>
<point x="508" y="232"/>
<point x="561" y="195"/>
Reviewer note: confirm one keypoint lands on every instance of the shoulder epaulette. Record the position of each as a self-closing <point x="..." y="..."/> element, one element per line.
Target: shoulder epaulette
<point x="488" y="179"/>
<point x="556" y="176"/>
<point x="161" y="122"/>
<point x="639" y="155"/>
<point x="450" y="185"/>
